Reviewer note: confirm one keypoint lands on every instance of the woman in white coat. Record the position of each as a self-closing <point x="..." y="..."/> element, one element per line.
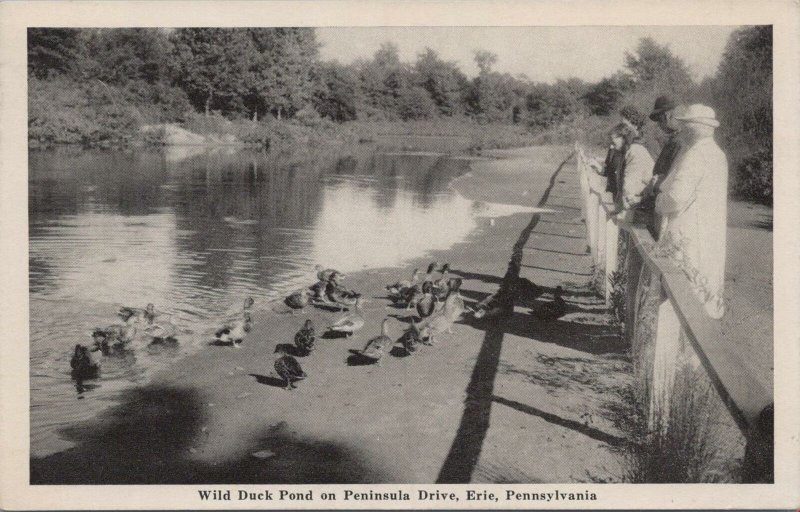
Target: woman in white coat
<point x="693" y="205"/>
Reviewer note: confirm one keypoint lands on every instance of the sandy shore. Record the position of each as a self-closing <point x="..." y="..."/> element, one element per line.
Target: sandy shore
<point x="508" y="401"/>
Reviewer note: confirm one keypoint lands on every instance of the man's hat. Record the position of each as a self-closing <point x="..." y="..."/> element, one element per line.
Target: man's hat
<point x="698" y="113"/>
<point x="663" y="104"/>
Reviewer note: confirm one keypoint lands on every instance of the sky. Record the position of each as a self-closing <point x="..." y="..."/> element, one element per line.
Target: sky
<point x="544" y="54"/>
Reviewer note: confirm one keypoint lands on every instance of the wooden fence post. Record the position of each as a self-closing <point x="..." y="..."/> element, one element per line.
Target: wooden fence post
<point x="665" y="363"/>
<point x="612" y="239"/>
<point x="634" y="263"/>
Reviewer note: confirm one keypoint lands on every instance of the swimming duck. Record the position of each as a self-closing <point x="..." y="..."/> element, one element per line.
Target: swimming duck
<point x="83" y="367"/>
<point x="426" y="304"/>
<point x="375" y="347"/>
<point x="397" y="289"/>
<point x="146" y="315"/>
<point x="304" y="339"/>
<point x="162" y="332"/>
<point x="554" y="310"/>
<point x="113" y="338"/>
<point x="298" y="299"/>
<point x="289" y="370"/>
<point x="235" y="332"/>
<point x="350" y="322"/>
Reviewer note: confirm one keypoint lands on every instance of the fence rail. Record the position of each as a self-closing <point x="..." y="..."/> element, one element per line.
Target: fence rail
<point x="667" y="327"/>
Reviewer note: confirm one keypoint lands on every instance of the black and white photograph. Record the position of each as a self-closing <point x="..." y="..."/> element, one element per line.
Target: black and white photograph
<point x="293" y="255"/>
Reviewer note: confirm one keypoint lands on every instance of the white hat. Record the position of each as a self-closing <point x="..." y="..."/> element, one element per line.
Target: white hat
<point x="697" y="113"/>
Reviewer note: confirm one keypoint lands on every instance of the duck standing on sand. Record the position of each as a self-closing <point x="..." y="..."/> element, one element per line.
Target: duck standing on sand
<point x="350" y="322"/>
<point x="324" y="276"/>
<point x="298" y="299"/>
<point x="83" y="367"/>
<point x="289" y="370"/>
<point x="398" y="289"/>
<point x="411" y="339"/>
<point x="412" y="295"/>
<point x="442" y="285"/>
<point x="234" y="332"/>
<point x="305" y="338"/>
<point x="454" y="305"/>
<point x="554" y="310"/>
<point x="375" y="347"/>
<point x="426" y="304"/>
<point x="342" y="297"/>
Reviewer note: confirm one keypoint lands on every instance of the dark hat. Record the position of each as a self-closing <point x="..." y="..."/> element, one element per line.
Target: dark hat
<point x="663" y="104"/>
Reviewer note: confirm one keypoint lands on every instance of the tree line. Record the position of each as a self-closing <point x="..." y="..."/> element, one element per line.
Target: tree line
<point x="277" y="73"/>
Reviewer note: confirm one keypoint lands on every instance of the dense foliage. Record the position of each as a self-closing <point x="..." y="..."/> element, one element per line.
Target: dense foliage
<point x="97" y="86"/>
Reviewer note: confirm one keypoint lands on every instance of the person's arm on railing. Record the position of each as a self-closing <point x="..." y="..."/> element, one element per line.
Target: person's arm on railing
<point x="638" y="173"/>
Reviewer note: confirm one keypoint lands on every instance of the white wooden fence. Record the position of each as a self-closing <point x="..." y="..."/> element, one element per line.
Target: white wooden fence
<point x="668" y="329"/>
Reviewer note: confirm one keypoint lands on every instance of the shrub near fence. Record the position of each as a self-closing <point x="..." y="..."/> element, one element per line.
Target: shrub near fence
<point x="689" y="380"/>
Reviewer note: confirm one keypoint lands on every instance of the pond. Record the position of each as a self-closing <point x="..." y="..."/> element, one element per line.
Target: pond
<point x="195" y="232"/>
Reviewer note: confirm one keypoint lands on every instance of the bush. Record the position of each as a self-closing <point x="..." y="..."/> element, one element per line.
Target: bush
<point x="752" y="179"/>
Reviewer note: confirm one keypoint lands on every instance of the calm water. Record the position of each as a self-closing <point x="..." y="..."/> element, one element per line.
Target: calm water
<point x="194" y="232"/>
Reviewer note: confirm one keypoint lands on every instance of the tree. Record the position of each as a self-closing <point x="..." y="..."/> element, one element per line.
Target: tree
<point x="742" y="94"/>
<point x="383" y="80"/>
<point x="52" y="50"/>
<point x="654" y="66"/>
<point x="122" y="55"/>
<point x="485" y="60"/>
<point x="603" y="97"/>
<point x="443" y="81"/>
<point x="212" y="66"/>
<point x="337" y="94"/>
<point x="415" y="103"/>
<point x="282" y="69"/>
<point x="492" y="95"/>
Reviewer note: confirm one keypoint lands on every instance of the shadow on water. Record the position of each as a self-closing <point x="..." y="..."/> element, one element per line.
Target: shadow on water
<point x="163" y="424"/>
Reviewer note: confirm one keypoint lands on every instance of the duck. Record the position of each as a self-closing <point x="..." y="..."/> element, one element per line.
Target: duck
<point x="304" y="338"/>
<point x="396" y="290"/>
<point x="493" y="306"/>
<point x="341" y="296"/>
<point x="162" y="332"/>
<point x="234" y="332"/>
<point x="83" y="367"/>
<point x="429" y="272"/>
<point x="549" y="311"/>
<point x="298" y="299"/>
<point x="441" y="286"/>
<point x="426" y="303"/>
<point x="129" y="314"/>
<point x="113" y="338"/>
<point x="289" y="370"/>
<point x="375" y="347"/>
<point x="350" y="322"/>
<point x="454" y="306"/>
<point x="411" y="339"/>
<point x="326" y="274"/>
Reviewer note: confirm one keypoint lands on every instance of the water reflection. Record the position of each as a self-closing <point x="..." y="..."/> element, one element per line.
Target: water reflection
<point x="194" y="231"/>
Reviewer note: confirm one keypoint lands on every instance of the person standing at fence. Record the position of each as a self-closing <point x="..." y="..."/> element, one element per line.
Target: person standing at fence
<point x="615" y="157"/>
<point x="635" y="171"/>
<point x="663" y="115"/>
<point x="693" y="205"/>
